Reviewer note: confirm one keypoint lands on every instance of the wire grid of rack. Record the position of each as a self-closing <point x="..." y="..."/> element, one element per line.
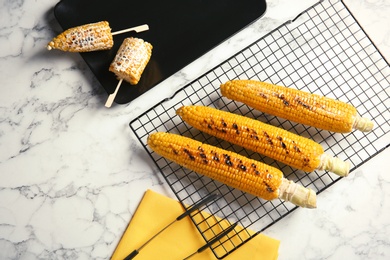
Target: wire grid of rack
<point x="324" y="51"/>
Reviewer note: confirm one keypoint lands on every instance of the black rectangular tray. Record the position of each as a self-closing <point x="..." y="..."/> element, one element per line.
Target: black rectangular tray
<point x="180" y="32"/>
<point x="324" y="51"/>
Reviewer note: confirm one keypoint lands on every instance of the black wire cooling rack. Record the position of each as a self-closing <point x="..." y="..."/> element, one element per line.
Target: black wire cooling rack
<point x="324" y="51"/>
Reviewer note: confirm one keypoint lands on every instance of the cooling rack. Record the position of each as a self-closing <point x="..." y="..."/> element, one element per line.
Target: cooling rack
<point x="323" y="51"/>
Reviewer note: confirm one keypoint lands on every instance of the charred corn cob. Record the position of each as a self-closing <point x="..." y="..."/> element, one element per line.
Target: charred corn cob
<point x="84" y="38"/>
<point x="274" y="142"/>
<point x="131" y="59"/>
<point x="231" y="169"/>
<point x="298" y="106"/>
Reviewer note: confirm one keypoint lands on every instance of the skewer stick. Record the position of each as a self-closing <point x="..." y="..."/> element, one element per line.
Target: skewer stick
<point x="112" y="96"/>
<point x="137" y="29"/>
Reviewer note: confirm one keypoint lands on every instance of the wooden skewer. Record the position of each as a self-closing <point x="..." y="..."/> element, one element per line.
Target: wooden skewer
<point x="137" y="29"/>
<point x="112" y="96"/>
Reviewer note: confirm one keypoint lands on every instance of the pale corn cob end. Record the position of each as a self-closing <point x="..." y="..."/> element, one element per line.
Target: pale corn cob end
<point x="334" y="164"/>
<point x="297" y="194"/>
<point x="363" y="124"/>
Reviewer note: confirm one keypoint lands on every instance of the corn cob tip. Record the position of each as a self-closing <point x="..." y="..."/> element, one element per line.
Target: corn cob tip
<point x="49" y="46"/>
<point x="363" y="124"/>
<point x="297" y="194"/>
<point x="334" y="164"/>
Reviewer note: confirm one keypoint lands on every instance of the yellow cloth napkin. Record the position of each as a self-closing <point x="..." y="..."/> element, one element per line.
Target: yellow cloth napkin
<point x="182" y="238"/>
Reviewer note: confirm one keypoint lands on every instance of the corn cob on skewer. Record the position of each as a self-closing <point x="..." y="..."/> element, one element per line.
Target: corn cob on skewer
<point x="84" y="38"/>
<point x="274" y="142"/>
<point x="89" y="37"/>
<point x="231" y="169"/>
<point x="298" y="106"/>
<point x="129" y="63"/>
<point x="131" y="59"/>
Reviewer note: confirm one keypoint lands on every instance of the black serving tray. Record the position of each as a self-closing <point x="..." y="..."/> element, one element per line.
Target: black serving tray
<point x="180" y="32"/>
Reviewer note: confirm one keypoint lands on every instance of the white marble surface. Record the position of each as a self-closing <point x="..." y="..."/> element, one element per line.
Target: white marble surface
<point x="72" y="172"/>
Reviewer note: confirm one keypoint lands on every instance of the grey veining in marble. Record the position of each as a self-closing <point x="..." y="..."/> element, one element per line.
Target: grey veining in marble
<point x="72" y="173"/>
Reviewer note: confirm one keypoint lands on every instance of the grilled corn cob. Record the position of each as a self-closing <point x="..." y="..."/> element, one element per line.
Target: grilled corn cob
<point x="274" y="142"/>
<point x="298" y="106"/>
<point x="131" y="59"/>
<point x="231" y="169"/>
<point x="84" y="38"/>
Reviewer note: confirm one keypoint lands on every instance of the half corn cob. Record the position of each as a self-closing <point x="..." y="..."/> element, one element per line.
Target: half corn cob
<point x="274" y="142"/>
<point x="298" y="106"/>
<point x="231" y="169"/>
<point x="131" y="59"/>
<point x="84" y="38"/>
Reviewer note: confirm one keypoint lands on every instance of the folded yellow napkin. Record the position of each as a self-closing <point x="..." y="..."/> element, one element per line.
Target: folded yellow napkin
<point x="182" y="238"/>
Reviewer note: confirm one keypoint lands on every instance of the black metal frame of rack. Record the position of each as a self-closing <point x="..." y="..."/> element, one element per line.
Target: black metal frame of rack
<point x="324" y="51"/>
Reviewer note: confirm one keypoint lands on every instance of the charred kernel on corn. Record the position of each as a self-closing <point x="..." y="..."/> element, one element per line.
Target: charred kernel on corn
<point x="131" y="59"/>
<point x="84" y="38"/>
<point x="296" y="105"/>
<point x="274" y="142"/>
<point x="231" y="169"/>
